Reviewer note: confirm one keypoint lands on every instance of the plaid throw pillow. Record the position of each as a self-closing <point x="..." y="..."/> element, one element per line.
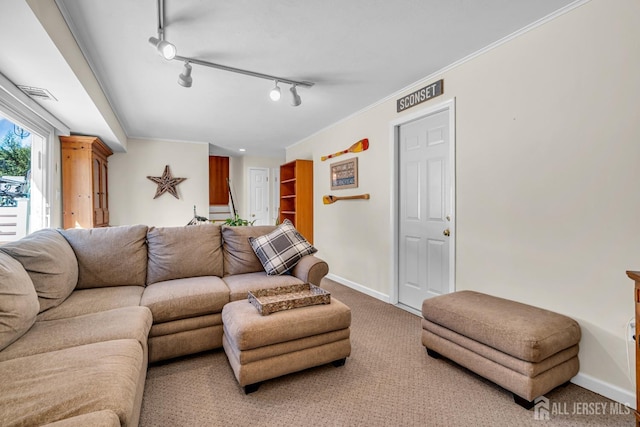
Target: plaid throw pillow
<point x="281" y="249"/>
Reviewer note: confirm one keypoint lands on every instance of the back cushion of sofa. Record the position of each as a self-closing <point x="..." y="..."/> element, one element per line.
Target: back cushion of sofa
<point x="239" y="257"/>
<point x="18" y="300"/>
<point x="179" y="252"/>
<point x="109" y="256"/>
<point x="50" y="262"/>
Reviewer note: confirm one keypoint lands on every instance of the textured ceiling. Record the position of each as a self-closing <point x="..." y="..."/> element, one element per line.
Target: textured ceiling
<point x="357" y="52"/>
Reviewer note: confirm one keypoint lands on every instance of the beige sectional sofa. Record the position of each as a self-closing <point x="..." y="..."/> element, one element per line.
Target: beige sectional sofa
<point x="82" y="313"/>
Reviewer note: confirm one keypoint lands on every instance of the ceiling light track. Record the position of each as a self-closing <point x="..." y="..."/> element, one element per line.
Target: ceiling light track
<point x="169" y="52"/>
<point x="245" y="72"/>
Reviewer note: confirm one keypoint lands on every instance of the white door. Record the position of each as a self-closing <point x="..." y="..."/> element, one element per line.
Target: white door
<point x="259" y="196"/>
<point x="424" y="228"/>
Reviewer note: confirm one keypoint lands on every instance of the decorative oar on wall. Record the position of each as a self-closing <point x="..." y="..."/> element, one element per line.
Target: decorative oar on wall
<point x="358" y="147"/>
<point x="327" y="200"/>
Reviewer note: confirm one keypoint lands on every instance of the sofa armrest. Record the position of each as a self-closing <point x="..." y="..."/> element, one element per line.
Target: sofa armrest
<point x="310" y="269"/>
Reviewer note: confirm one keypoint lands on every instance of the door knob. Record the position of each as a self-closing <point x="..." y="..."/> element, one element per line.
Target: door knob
<point x="446" y="232"/>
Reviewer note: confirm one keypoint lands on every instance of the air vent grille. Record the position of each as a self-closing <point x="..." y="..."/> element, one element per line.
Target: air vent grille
<point x="37" y="93"/>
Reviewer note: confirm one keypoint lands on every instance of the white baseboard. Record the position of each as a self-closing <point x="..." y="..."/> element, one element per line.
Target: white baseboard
<point x="358" y="287"/>
<point x="605" y="389"/>
<point x="610" y="391"/>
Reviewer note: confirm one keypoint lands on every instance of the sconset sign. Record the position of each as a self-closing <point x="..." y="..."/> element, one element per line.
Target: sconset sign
<point x="420" y="95"/>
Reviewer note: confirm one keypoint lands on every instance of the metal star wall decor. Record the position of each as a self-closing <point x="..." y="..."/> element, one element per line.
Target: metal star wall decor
<point x="166" y="183"/>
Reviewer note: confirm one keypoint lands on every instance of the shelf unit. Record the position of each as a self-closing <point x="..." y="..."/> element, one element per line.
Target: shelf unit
<point x="296" y="196"/>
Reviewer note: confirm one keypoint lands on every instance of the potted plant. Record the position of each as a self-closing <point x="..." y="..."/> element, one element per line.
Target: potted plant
<point x="237" y="221"/>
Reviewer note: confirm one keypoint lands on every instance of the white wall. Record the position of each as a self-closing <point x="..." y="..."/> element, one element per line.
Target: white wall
<point x="131" y="193"/>
<point x="547" y="146"/>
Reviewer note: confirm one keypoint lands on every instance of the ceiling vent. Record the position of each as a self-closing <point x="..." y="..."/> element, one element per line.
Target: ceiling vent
<point x="37" y="93"/>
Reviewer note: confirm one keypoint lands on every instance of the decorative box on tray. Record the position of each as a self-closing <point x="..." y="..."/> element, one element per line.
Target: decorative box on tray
<point x="268" y="301"/>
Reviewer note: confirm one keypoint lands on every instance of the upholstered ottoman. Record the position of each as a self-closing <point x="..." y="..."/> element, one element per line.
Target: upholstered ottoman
<point x="264" y="347"/>
<point x="524" y="349"/>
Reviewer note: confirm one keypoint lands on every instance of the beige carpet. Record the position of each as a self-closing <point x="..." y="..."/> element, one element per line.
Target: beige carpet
<point x="388" y="381"/>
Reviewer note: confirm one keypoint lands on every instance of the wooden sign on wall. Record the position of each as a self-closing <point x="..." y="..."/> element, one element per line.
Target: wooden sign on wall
<point x="344" y="174"/>
<point x="420" y="95"/>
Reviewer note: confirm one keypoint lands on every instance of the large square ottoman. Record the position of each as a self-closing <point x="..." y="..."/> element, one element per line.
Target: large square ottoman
<point x="264" y="347"/>
<point x="524" y="349"/>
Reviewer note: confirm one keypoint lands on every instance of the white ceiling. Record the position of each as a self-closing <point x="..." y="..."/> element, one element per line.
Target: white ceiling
<point x="356" y="51"/>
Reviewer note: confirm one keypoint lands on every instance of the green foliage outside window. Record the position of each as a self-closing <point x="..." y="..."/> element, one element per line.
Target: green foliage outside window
<point x="15" y="159"/>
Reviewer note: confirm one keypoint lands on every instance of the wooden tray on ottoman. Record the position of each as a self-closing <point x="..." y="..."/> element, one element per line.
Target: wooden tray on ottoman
<point x="268" y="301"/>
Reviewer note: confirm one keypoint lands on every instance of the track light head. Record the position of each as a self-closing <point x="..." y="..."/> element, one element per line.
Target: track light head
<point x="185" y="79"/>
<point x="295" y="98"/>
<point x="167" y="50"/>
<point x="275" y="93"/>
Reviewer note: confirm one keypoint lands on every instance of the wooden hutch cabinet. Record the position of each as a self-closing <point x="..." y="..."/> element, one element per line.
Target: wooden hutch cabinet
<point x="296" y="196"/>
<point x="635" y="276"/>
<point x="85" y="194"/>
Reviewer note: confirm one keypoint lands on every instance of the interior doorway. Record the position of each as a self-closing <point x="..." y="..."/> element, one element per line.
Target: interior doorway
<point x="259" y="196"/>
<point x="425" y="234"/>
<point x="219" y="190"/>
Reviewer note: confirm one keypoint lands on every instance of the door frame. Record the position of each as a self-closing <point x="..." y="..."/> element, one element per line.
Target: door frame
<point x="394" y="154"/>
<point x="275" y="197"/>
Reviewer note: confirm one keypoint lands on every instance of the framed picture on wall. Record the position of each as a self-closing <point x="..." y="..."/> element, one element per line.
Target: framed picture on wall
<point x="344" y="174"/>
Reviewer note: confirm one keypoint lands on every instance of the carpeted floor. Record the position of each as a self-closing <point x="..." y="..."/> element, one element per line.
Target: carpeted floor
<point x="388" y="381"/>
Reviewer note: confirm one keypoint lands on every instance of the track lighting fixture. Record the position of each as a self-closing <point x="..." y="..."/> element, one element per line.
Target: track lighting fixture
<point x="275" y="93"/>
<point x="295" y="98"/>
<point x="185" y="78"/>
<point x="169" y="52"/>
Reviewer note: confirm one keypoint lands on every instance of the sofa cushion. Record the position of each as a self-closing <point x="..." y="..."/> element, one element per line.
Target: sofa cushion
<point x="50" y="262"/>
<point x="184" y="298"/>
<point x="281" y="249"/>
<point x="179" y="252"/>
<point x="185" y="325"/>
<point x="109" y="256"/>
<point x="18" y="301"/>
<point x="238" y="255"/>
<point x="52" y="386"/>
<point x="86" y="301"/>
<point x="106" y="418"/>
<point x="240" y="284"/>
<point x="119" y="323"/>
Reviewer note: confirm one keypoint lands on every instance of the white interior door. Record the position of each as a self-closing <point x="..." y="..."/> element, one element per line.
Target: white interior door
<point x="424" y="228"/>
<point x="259" y="196"/>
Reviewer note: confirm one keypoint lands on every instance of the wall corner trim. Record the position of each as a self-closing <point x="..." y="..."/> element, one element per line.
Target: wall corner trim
<point x="360" y="288"/>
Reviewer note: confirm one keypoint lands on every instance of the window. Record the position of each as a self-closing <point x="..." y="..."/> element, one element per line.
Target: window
<point x="15" y="180"/>
<point x="39" y="182"/>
